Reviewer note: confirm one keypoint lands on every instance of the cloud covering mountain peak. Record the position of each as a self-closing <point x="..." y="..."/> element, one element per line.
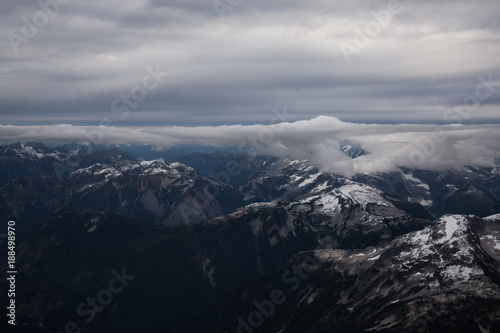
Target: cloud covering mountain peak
<point x="431" y="147"/>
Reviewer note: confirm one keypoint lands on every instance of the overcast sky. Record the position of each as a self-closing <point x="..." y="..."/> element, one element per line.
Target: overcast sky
<point x="235" y="62"/>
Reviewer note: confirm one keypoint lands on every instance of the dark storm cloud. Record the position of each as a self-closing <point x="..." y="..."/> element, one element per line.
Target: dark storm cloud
<point x="259" y="56"/>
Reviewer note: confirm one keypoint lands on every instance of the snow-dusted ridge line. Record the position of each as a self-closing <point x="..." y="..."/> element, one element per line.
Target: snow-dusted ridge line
<point x="363" y="194"/>
<point x="492" y="217"/>
<point x="27" y="150"/>
<point x="445" y="247"/>
<point x="331" y="203"/>
<point x="451" y="238"/>
<point x="158" y="166"/>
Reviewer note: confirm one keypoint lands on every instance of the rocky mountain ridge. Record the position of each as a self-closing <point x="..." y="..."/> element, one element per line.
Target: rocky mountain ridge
<point x="208" y="252"/>
<point x="444" y="278"/>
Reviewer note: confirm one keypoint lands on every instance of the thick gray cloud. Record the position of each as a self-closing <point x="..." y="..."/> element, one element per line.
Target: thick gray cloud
<point x="427" y="58"/>
<point x="432" y="147"/>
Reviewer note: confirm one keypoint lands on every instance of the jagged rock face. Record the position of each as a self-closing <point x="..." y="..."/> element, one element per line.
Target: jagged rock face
<point x="419" y="280"/>
<point x="215" y="256"/>
<point x="444" y="278"/>
<point x="173" y="194"/>
<point x="157" y="191"/>
<point x="352" y="216"/>
<point x="470" y="190"/>
<point x="467" y="191"/>
<point x="348" y="216"/>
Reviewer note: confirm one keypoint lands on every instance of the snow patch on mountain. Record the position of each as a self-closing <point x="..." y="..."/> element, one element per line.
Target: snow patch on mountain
<point x="209" y="273"/>
<point x="108" y="172"/>
<point x="417" y="181"/>
<point x="363" y="194"/>
<point x="309" y="180"/>
<point x="158" y="166"/>
<point x="494" y="241"/>
<point x="452" y="224"/>
<point x="259" y="205"/>
<point x="321" y="187"/>
<point x="330" y="204"/>
<point x="492" y="217"/>
<point x="459" y="273"/>
<point x="93" y="223"/>
<point x="426" y="202"/>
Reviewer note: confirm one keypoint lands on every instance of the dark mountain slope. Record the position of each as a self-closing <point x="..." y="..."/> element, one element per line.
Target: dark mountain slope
<point x="445" y="278"/>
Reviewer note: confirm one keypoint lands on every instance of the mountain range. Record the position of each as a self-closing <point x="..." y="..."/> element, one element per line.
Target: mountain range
<point x="231" y="242"/>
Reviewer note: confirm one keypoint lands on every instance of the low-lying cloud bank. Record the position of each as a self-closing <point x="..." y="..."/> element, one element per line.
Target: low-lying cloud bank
<point x="431" y="147"/>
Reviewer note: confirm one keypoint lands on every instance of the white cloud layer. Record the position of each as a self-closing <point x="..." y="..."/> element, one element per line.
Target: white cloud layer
<point x="432" y="147"/>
